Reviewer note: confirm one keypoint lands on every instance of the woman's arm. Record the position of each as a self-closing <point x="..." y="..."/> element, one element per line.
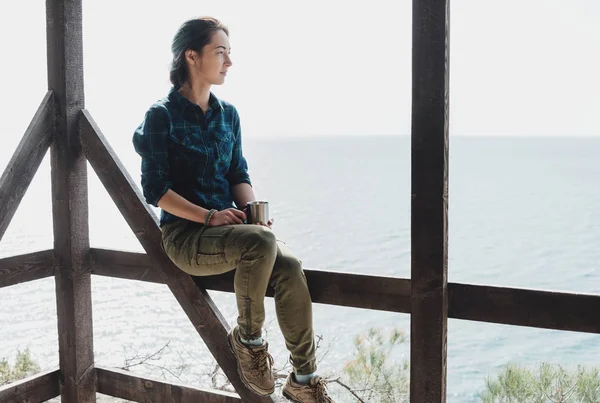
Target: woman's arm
<point x="175" y="204"/>
<point x="150" y="141"/>
<point x="238" y="178"/>
<point x="242" y="193"/>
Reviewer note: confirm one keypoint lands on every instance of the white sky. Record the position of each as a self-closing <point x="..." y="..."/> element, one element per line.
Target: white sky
<point x="518" y="67"/>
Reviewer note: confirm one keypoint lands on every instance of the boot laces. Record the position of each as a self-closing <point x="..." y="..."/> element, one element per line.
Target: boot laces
<point x="262" y="361"/>
<point x="321" y="391"/>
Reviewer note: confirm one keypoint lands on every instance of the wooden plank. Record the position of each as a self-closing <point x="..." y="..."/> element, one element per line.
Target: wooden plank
<point x="359" y="290"/>
<point x="126" y="385"/>
<point x="429" y="207"/>
<point x="482" y="303"/>
<point x="23" y="268"/>
<point x="333" y="288"/>
<point x="521" y="307"/>
<point x="124" y="265"/>
<point x="37" y="388"/>
<point x="25" y="162"/>
<point x="70" y="203"/>
<point x="195" y="301"/>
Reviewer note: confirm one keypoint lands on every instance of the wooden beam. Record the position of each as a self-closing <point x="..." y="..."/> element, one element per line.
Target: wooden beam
<point x="429" y="207"/>
<point x="342" y="289"/>
<point x="37" y="388"/>
<point x="25" y="162"/>
<point x="126" y="385"/>
<point x="195" y="301"/>
<point x="23" y="268"/>
<point x="125" y="265"/>
<point x="481" y="303"/>
<point x="70" y="203"/>
<point x="533" y="308"/>
<point x="359" y="290"/>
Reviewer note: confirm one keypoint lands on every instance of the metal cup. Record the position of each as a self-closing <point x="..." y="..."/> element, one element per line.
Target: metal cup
<point x="258" y="212"/>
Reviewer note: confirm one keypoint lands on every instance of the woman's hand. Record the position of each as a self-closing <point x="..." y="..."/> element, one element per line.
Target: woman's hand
<point x="228" y="216"/>
<point x="269" y="224"/>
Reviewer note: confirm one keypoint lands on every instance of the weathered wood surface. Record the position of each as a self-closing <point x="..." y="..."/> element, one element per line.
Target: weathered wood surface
<point x="195" y="301"/>
<point x="429" y="207"/>
<point x="28" y="267"/>
<point x="521" y="307"/>
<point x="37" y="388"/>
<point x="360" y="291"/>
<point x="343" y="289"/>
<point x="482" y="303"/>
<point x="126" y="385"/>
<point x="70" y="203"/>
<point x="26" y="160"/>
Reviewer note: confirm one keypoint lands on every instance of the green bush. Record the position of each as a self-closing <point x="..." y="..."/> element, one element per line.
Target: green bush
<point x="24" y="366"/>
<point x="547" y="384"/>
<point x="371" y="376"/>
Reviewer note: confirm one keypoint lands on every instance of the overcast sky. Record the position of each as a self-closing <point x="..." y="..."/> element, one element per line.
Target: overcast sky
<point x="518" y="67"/>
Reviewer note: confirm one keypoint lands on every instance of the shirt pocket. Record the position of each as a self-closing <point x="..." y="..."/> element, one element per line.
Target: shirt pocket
<point x="192" y="147"/>
<point x="223" y="146"/>
<point x="186" y="136"/>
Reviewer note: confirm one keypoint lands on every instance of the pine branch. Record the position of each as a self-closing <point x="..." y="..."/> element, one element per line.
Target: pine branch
<point x="348" y="388"/>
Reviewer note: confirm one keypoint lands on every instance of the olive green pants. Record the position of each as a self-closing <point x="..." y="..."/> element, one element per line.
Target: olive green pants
<point x="259" y="259"/>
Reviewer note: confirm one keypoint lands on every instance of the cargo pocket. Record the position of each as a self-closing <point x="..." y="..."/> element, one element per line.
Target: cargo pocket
<point x="211" y="248"/>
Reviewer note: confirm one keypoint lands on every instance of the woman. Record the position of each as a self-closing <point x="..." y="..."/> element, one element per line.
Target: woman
<point x="193" y="168"/>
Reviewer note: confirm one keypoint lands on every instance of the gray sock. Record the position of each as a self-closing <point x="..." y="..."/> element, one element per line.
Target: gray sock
<point x="253" y="342"/>
<point x="304" y="379"/>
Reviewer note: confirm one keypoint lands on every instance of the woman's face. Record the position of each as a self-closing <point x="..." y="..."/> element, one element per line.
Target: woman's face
<point x="211" y="66"/>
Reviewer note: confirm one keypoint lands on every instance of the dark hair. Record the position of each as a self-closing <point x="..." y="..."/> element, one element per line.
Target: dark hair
<point x="193" y="34"/>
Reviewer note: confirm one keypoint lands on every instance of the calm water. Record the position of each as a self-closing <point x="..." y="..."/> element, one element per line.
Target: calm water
<point x="524" y="212"/>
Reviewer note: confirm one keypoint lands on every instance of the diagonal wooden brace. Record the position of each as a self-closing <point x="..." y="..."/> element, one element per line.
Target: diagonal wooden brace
<point x="25" y="161"/>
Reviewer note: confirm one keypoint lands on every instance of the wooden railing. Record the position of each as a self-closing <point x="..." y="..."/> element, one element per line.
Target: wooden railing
<point x="481" y="303"/>
<point x="63" y="125"/>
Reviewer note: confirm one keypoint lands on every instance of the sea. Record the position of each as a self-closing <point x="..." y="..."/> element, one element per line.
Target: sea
<point x="523" y="212"/>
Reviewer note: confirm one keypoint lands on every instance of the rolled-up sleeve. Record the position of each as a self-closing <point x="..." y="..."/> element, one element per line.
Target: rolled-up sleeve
<point x="150" y="141"/>
<point x="238" y="170"/>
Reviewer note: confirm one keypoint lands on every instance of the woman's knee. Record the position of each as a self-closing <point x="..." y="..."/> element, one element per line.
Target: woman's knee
<point x="288" y="268"/>
<point x="290" y="264"/>
<point x="258" y="241"/>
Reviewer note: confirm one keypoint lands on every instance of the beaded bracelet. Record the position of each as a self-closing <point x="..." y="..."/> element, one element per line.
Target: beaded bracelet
<point x="209" y="216"/>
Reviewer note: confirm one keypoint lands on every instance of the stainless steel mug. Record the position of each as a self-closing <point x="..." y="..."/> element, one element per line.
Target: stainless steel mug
<point x="258" y="212"/>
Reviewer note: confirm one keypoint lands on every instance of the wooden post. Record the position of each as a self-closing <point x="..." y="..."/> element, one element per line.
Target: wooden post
<point x="429" y="207"/>
<point x="69" y="203"/>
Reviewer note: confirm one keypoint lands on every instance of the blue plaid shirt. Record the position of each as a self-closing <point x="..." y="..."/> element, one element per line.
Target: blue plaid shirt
<point x="197" y="155"/>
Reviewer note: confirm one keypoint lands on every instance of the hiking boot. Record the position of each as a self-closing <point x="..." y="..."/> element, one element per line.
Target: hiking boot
<point x="314" y="392"/>
<point x="254" y="364"/>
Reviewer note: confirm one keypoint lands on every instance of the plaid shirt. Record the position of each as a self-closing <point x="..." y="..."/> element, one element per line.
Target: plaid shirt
<point x="197" y="155"/>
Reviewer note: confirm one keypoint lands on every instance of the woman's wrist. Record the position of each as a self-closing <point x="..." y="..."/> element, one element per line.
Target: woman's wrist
<point x="200" y="214"/>
<point x="209" y="216"/>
